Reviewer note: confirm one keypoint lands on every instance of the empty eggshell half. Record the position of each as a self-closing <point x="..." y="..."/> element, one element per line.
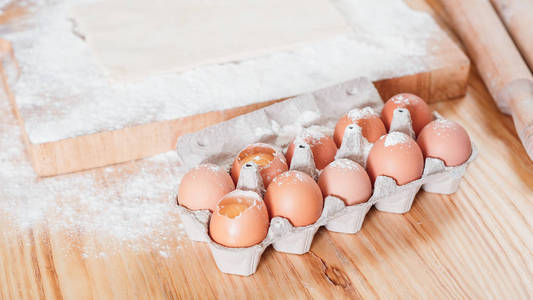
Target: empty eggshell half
<point x="346" y="180"/>
<point x="372" y="126"/>
<point x="396" y="155"/>
<point x="445" y="140"/>
<point x="203" y="186"/>
<point x="240" y="220"/>
<point x="270" y="161"/>
<point x="322" y="146"/>
<point x="296" y="196"/>
<point x="418" y="109"/>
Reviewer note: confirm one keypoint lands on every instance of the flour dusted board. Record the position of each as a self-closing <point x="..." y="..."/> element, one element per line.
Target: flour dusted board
<point x="75" y="119"/>
<point x="134" y="40"/>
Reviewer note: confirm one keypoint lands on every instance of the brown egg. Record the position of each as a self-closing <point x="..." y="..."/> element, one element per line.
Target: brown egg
<point x="396" y="155"/>
<point x="445" y="140"/>
<point x="295" y="196"/>
<point x="322" y="146"/>
<point x="346" y="180"/>
<point x="270" y="162"/>
<point x="203" y="186"/>
<point x="371" y="124"/>
<point x="240" y="220"/>
<point x="418" y="109"/>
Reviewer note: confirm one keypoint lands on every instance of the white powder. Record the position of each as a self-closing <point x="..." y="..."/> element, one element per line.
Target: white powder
<point x="395" y="138"/>
<point x="356" y="114"/>
<point x="299" y="129"/>
<point x="210" y="167"/>
<point x="312" y="135"/>
<point x="401" y="99"/>
<point x="64" y="93"/>
<point x="3" y="4"/>
<point x="130" y="205"/>
<point x="444" y="123"/>
<point x="289" y="177"/>
<point x="346" y="164"/>
<point x="308" y="117"/>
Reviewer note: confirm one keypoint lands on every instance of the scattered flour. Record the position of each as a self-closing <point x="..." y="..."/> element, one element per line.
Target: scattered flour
<point x="444" y="127"/>
<point x="401" y="99"/>
<point x="301" y="129"/>
<point x="308" y="118"/>
<point x="63" y="92"/>
<point x="346" y="164"/>
<point x="356" y="114"/>
<point x="290" y="177"/>
<point x="312" y="135"/>
<point x="130" y="205"/>
<point x="3" y="4"/>
<point x="395" y="138"/>
<point x="444" y="123"/>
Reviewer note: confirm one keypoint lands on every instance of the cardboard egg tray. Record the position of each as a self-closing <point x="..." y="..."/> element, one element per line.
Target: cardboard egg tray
<point x="277" y="125"/>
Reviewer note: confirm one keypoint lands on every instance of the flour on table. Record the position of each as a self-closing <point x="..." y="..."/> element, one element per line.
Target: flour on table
<point x="63" y="92"/>
<point x="129" y="206"/>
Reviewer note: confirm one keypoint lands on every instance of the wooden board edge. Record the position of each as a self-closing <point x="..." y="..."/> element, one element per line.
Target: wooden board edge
<point x="445" y="83"/>
<point x="122" y="145"/>
<point x="6" y="53"/>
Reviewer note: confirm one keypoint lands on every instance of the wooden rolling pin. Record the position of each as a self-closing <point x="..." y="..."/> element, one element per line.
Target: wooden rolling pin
<point x="517" y="15"/>
<point x="498" y="61"/>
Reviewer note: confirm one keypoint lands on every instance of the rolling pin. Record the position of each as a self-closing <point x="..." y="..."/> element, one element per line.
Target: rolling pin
<point x="499" y="63"/>
<point x="517" y="15"/>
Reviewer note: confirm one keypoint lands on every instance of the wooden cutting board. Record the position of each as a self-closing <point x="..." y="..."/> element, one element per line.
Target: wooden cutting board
<point x="443" y="77"/>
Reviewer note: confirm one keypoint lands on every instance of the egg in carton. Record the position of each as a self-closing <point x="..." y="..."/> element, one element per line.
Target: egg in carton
<point x="388" y="196"/>
<point x="336" y="215"/>
<point x="281" y="233"/>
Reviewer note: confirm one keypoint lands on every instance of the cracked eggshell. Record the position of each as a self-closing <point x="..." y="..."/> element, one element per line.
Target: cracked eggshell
<point x="396" y="155"/>
<point x="296" y="196"/>
<point x="418" y="109"/>
<point x="270" y="161"/>
<point x="203" y="186"/>
<point x="240" y="220"/>
<point x="372" y="126"/>
<point x="323" y="147"/>
<point x="445" y="140"/>
<point x="346" y="180"/>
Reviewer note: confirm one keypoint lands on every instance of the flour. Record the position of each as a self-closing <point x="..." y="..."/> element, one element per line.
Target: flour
<point x="395" y="138"/>
<point x="131" y="205"/>
<point x="356" y="114"/>
<point x="346" y="164"/>
<point x="63" y="92"/>
<point x="3" y="4"/>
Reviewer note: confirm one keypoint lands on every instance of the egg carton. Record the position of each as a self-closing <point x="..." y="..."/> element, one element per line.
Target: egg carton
<point x="282" y="235"/>
<point x="219" y="144"/>
<point x="388" y="196"/>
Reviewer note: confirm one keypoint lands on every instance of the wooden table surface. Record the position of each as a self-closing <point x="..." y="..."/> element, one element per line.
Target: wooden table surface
<point x="476" y="243"/>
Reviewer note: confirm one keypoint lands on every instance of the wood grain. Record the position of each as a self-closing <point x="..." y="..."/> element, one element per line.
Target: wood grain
<point x="446" y="76"/>
<point x="476" y="243"/>
<point x="516" y="15"/>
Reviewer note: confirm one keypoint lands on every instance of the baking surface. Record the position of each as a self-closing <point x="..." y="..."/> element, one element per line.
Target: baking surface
<point x="136" y="39"/>
<point x="73" y="118"/>
<point x="475" y="243"/>
<point x="63" y="80"/>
